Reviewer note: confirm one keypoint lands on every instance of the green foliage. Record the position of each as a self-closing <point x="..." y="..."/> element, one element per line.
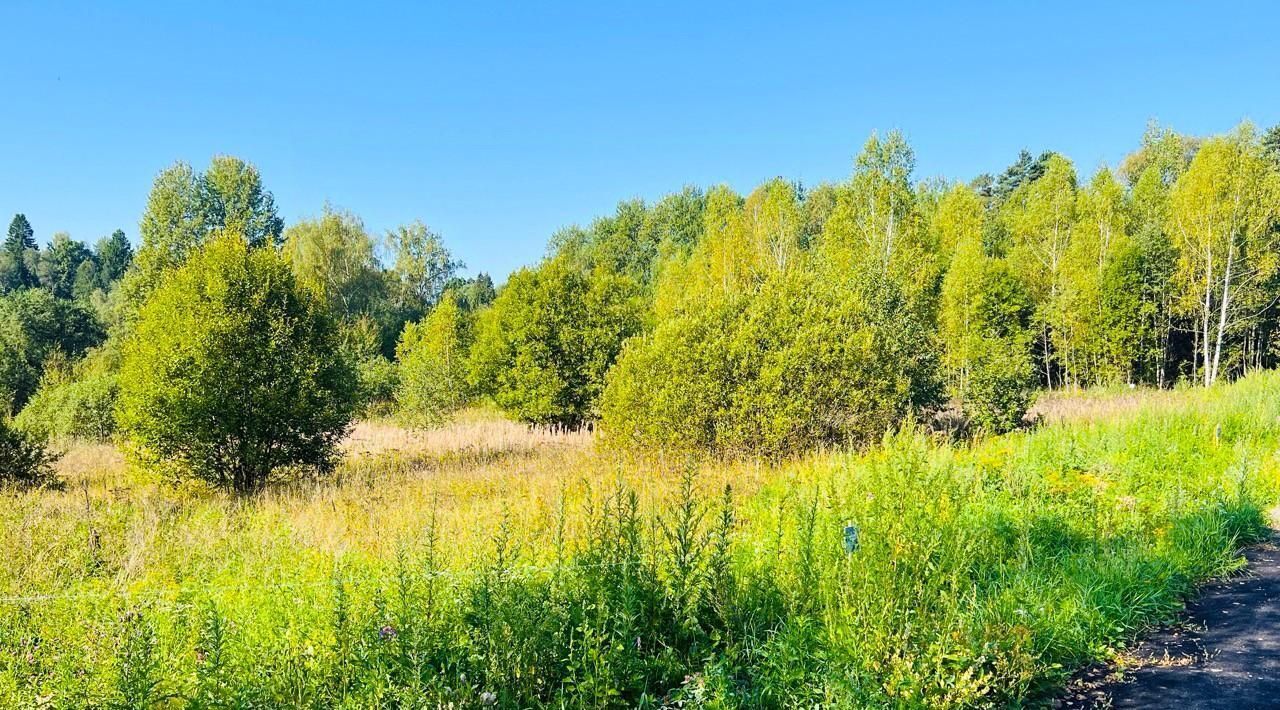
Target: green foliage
<point x="473" y="293"/>
<point x="1223" y="213"/>
<point x="59" y="266"/>
<point x="185" y="207"/>
<point x="807" y="360"/>
<point x="1000" y="388"/>
<point x="35" y="326"/>
<point x="986" y="574"/>
<point x="423" y="267"/>
<point x="772" y="338"/>
<point x="20" y="242"/>
<point x="432" y="357"/>
<point x="24" y="460"/>
<point x="335" y="256"/>
<point x="360" y="342"/>
<point x="76" y="402"/>
<point x="113" y="256"/>
<point x="233" y="371"/>
<point x="542" y="349"/>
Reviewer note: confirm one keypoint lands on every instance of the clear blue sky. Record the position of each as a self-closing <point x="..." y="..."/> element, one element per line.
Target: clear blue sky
<point x="498" y="124"/>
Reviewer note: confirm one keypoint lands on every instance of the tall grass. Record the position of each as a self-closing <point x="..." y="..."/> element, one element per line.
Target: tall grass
<point x="539" y="571"/>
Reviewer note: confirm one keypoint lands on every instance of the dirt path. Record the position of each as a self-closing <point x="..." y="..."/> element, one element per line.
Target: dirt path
<point x="1225" y="654"/>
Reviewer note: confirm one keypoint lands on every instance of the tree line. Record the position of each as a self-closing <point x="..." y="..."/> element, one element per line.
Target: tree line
<point x="793" y="316"/>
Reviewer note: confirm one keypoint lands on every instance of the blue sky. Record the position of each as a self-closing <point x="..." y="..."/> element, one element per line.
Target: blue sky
<point x="497" y="124"/>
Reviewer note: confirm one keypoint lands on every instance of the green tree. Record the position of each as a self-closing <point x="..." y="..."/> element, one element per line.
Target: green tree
<point x="24" y="459"/>
<point x="1222" y="211"/>
<point x="984" y="321"/>
<point x="423" y="266"/>
<point x="335" y="256"/>
<point x="1098" y="312"/>
<point x="17" y="245"/>
<point x="1271" y="145"/>
<point x="542" y="349"/>
<point x="113" y="255"/>
<point x="876" y="226"/>
<point x="233" y="370"/>
<point x="432" y="356"/>
<point x="1038" y="217"/>
<point x="473" y="293"/>
<point x="1160" y="161"/>
<point x="35" y="326"/>
<point x="234" y="199"/>
<point x="78" y="401"/>
<point x="185" y="207"/>
<point x="808" y="358"/>
<point x="59" y="264"/>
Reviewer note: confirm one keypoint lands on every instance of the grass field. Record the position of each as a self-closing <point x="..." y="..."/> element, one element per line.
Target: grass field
<point x="488" y="564"/>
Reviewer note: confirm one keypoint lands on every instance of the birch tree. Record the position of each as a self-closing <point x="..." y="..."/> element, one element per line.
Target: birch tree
<point x="1221" y="214"/>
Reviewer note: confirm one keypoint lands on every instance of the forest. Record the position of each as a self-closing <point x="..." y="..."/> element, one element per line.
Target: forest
<point x="270" y="464"/>
<point x="768" y="324"/>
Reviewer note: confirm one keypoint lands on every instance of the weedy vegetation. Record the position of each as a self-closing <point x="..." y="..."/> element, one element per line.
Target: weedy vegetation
<point x="486" y="563"/>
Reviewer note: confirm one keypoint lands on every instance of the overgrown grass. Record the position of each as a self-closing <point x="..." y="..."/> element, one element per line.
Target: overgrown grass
<point x="526" y="569"/>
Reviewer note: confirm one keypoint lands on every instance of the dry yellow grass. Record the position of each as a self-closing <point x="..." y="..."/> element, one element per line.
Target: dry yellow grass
<point x="1092" y="405"/>
<point x="116" y="527"/>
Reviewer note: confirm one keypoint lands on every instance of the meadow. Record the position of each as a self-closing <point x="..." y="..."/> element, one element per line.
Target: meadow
<point x="490" y="563"/>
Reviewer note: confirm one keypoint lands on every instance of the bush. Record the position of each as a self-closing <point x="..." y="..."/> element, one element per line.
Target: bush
<point x="24" y="460"/>
<point x="78" y="403"/>
<point x="233" y="371"/>
<point x="432" y="356"/>
<point x="543" y="348"/>
<point x="805" y="360"/>
<point x="33" y="327"/>
<point x="376" y="381"/>
<point x="376" y="376"/>
<point x="1001" y="387"/>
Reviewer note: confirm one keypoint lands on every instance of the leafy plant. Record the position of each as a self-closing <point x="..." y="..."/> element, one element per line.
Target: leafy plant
<point x="233" y="371"/>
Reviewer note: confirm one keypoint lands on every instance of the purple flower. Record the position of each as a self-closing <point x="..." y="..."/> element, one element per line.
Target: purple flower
<point x="386" y="633"/>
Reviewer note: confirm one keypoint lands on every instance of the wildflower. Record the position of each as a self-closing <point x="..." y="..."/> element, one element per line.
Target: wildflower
<point x="386" y="633"/>
<point x="488" y="698"/>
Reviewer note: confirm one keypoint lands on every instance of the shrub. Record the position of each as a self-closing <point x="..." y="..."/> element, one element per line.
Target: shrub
<point x="76" y="403"/>
<point x="804" y="360"/>
<point x="432" y="356"/>
<point x="233" y="371"/>
<point x="1001" y="387"/>
<point x="543" y="348"/>
<point x="24" y="460"/>
<point x="376" y="376"/>
<point x="33" y="326"/>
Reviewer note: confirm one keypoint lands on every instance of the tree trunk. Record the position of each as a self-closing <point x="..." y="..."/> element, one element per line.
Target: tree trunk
<point x="1222" y="311"/>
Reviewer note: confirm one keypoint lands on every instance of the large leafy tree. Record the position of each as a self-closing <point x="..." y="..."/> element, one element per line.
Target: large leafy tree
<point x="1222" y="213"/>
<point x="422" y="267"/>
<point x="1152" y="172"/>
<point x="1038" y="217"/>
<point x="234" y="199"/>
<point x="233" y="370"/>
<point x="335" y="256"/>
<point x="542" y="349"/>
<point x="1098" y="311"/>
<point x="59" y="265"/>
<point x="983" y="320"/>
<point x="185" y="207"/>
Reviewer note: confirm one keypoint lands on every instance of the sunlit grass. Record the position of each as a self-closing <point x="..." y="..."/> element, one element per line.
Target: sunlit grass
<point x="487" y="557"/>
